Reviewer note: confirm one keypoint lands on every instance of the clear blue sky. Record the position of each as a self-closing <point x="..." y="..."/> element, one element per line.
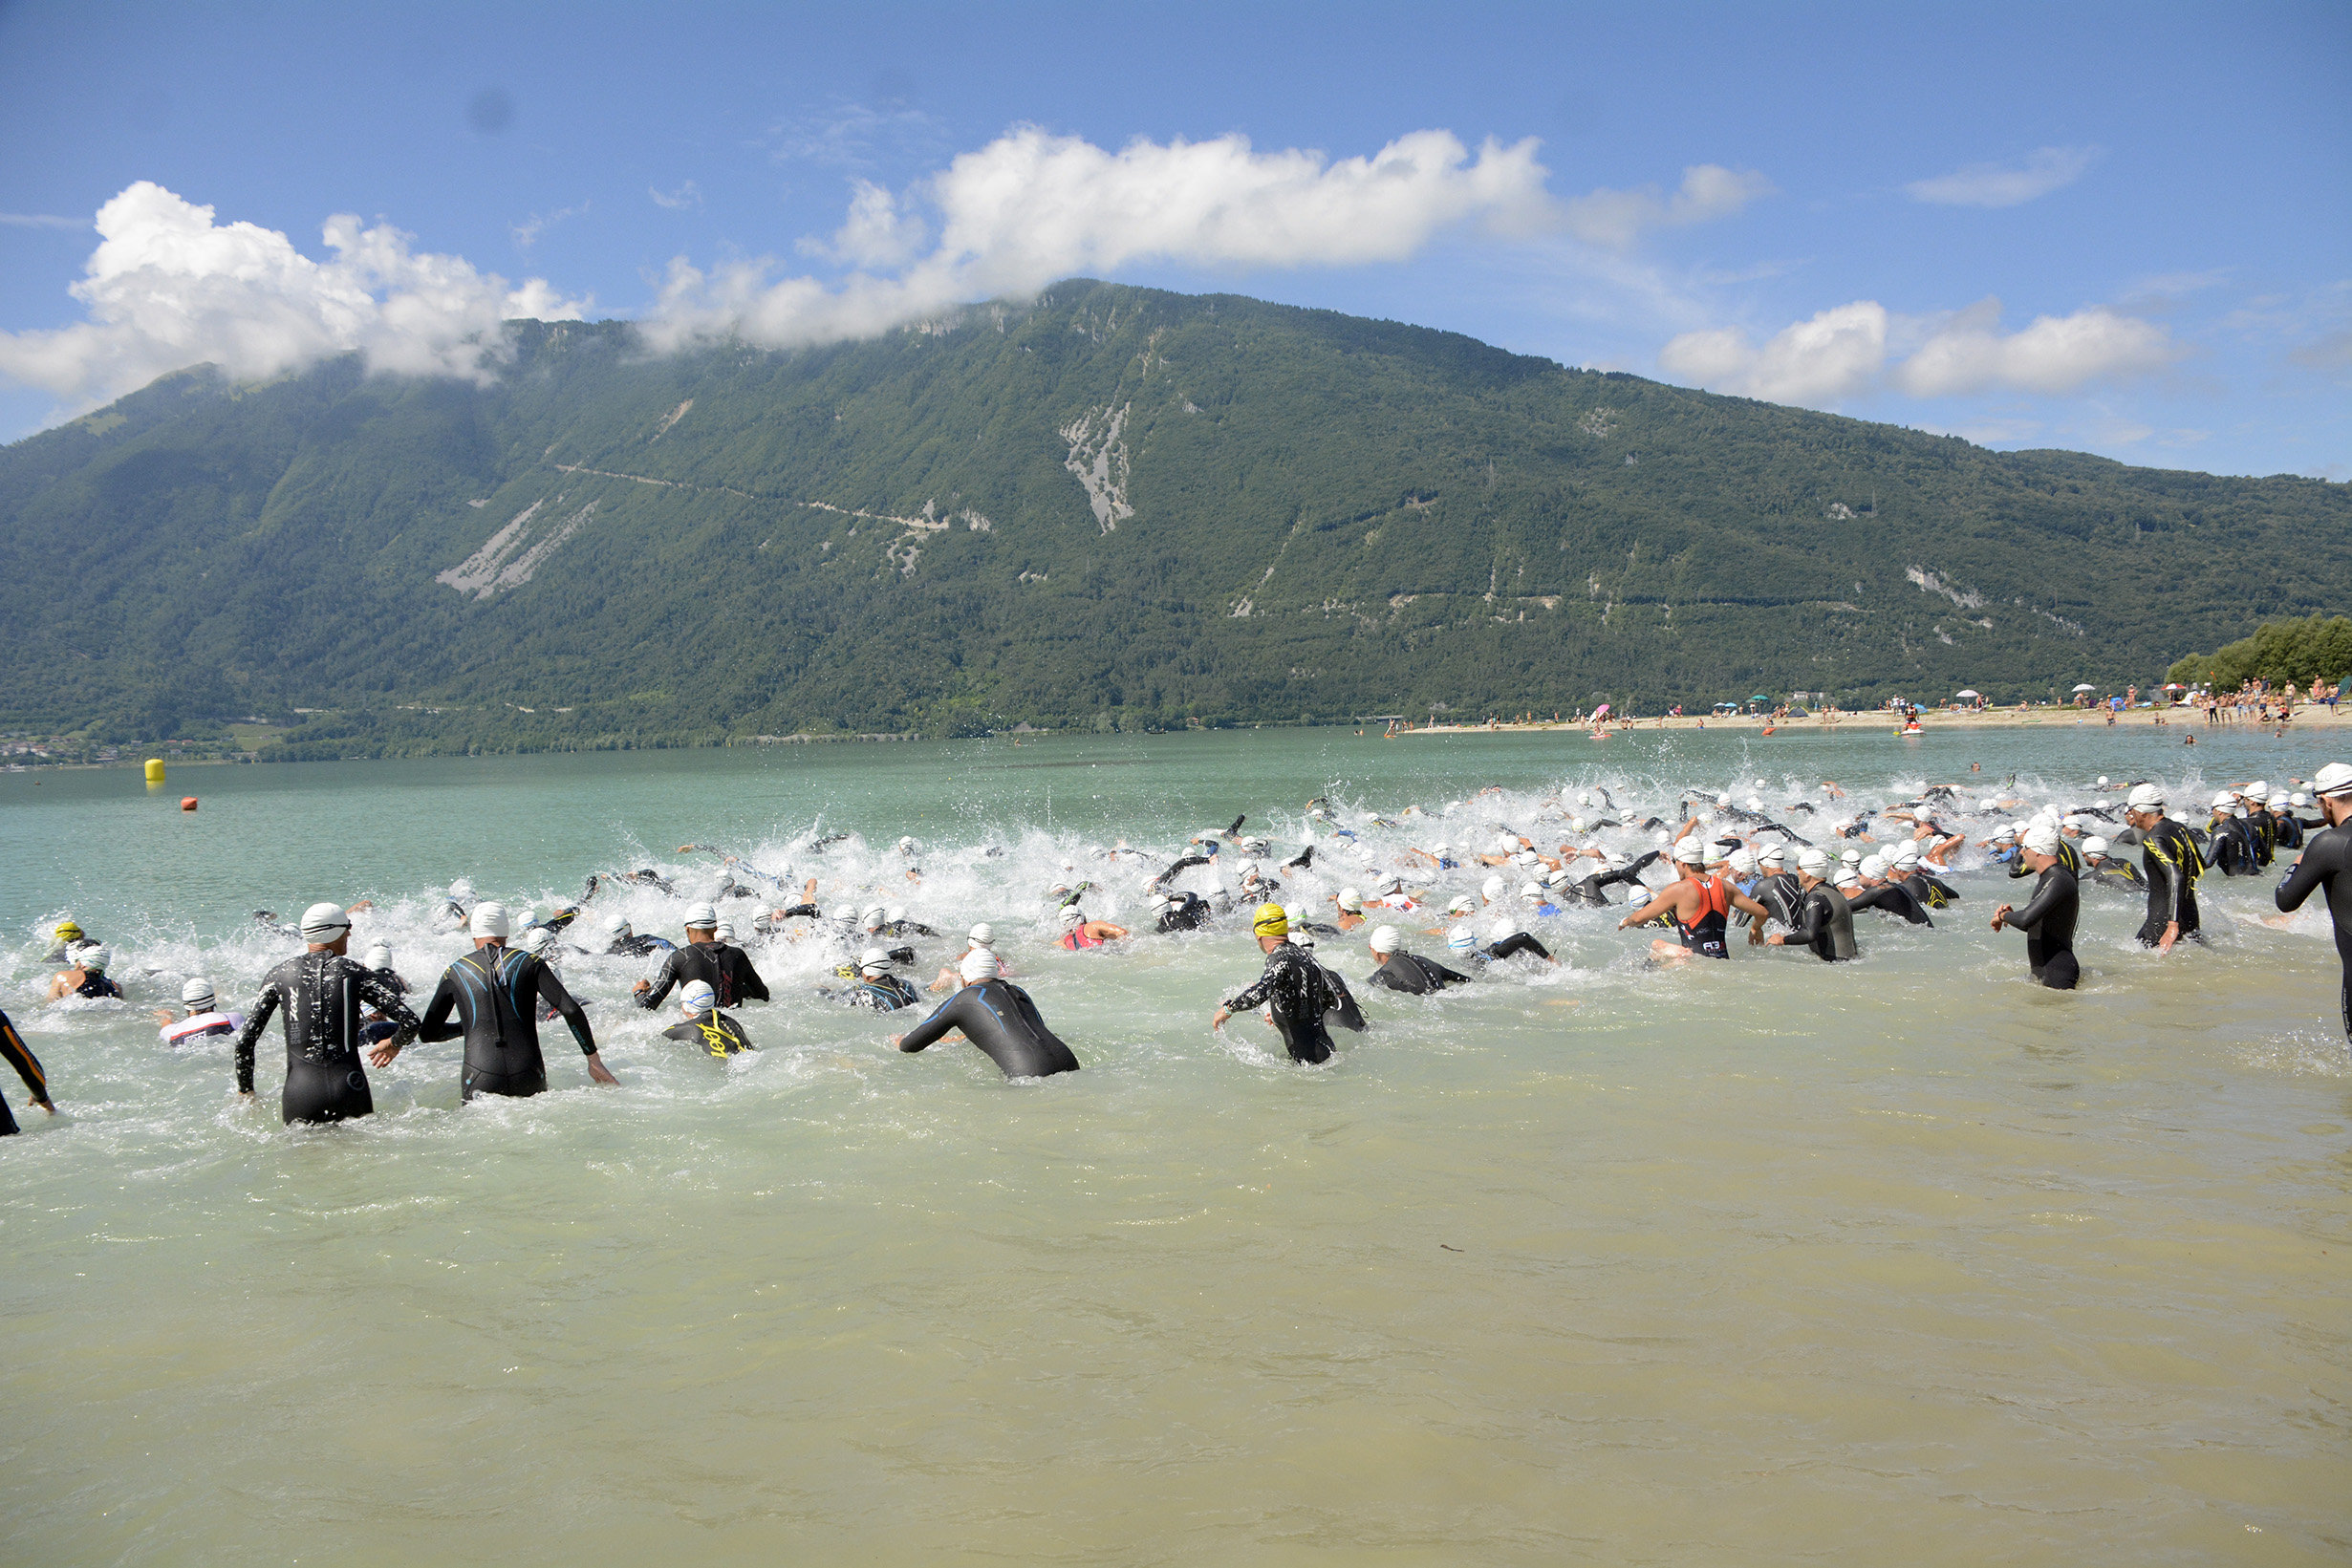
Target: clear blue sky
<point x="2159" y="197"/>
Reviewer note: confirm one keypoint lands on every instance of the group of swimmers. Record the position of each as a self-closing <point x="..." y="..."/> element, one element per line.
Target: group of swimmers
<point x="1732" y="865"/>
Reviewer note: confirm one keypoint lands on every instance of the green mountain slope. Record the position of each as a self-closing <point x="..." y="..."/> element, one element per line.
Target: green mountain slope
<point x="1117" y="507"/>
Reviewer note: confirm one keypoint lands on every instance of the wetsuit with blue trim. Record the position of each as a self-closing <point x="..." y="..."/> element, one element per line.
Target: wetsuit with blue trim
<point x="322" y="994"/>
<point x="495" y="993"/>
<point x="886" y="995"/>
<point x="725" y="967"/>
<point x="28" y="1067"/>
<point x="997" y="1016"/>
<point x="2326" y="863"/>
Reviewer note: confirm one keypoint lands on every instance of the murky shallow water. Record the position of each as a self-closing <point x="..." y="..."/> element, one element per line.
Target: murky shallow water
<point x="1902" y="1261"/>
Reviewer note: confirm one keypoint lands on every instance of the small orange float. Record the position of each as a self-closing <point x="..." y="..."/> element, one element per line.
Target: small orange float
<point x="187" y="803"/>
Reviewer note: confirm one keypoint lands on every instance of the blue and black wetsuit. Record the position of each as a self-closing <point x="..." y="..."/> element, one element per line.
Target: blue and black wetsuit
<point x="28" y="1067"/>
<point x="322" y="994"/>
<point x="2326" y="863"/>
<point x="997" y="1016"/>
<point x="886" y="995"/>
<point x="495" y="993"/>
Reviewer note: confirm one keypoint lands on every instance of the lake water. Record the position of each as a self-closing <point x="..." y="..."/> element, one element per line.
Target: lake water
<point x="1903" y="1260"/>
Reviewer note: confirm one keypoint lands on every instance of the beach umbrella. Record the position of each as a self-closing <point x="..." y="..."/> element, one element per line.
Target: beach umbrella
<point x="2086" y="686"/>
<point x="1968" y="692"/>
<point x="2174" y="686"/>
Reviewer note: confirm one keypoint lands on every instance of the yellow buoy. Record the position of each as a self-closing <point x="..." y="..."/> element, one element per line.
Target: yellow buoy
<point x="155" y="770"/>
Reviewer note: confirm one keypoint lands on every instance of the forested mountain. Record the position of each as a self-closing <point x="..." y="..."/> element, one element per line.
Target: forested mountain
<point x="1113" y="507"/>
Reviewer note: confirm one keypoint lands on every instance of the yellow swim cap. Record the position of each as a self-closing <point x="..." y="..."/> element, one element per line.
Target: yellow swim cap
<point x="1270" y="920"/>
<point x="67" y="930"/>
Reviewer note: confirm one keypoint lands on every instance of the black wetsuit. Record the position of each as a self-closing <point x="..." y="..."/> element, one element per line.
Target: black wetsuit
<point x="908" y="927"/>
<point x="381" y="1028"/>
<point x="1894" y="898"/>
<point x="2286" y="831"/>
<point x="1588" y="890"/>
<point x="2048" y="921"/>
<point x="1294" y="990"/>
<point x="28" y="1067"/>
<point x="2326" y="863"/>
<point x="997" y="1016"/>
<point x="1183" y="863"/>
<point x="1414" y="975"/>
<point x="886" y="995"/>
<point x="1781" y="894"/>
<point x="97" y="986"/>
<point x="2172" y="863"/>
<point x="2111" y="872"/>
<point x="1825" y="923"/>
<point x="633" y="946"/>
<point x="1931" y="891"/>
<point x="1189" y="915"/>
<point x="495" y="993"/>
<point x="728" y="969"/>
<point x="1343" y="1010"/>
<point x="2230" y="848"/>
<point x="322" y="994"/>
<point x="2263" y="835"/>
<point x="1515" y="944"/>
<point x="712" y="1030"/>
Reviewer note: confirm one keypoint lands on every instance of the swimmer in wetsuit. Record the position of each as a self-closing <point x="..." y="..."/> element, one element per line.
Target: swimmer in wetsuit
<point x="2326" y="863"/>
<point x="2049" y="919"/>
<point x="1588" y="890"/>
<point x="87" y="980"/>
<point x="997" y="1016"/>
<point x="1699" y="904"/>
<point x="877" y="988"/>
<point x="1402" y="971"/>
<point x="28" y="1067"/>
<point x="726" y="969"/>
<point x="2169" y="858"/>
<point x="322" y="991"/>
<point x="1343" y="1010"/>
<point x="1291" y="989"/>
<point x="495" y="991"/>
<point x="1181" y="912"/>
<point x="2100" y="869"/>
<point x="704" y="1025"/>
<point x="1823" y="923"/>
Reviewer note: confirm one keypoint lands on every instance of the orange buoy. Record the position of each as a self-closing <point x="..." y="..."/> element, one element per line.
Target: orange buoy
<point x="1769" y="728"/>
<point x="187" y="803"/>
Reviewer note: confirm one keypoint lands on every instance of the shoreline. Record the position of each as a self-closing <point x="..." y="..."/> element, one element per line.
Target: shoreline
<point x="2186" y="720"/>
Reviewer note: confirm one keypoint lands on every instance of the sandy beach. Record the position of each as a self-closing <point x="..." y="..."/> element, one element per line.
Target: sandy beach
<point x="2187" y="720"/>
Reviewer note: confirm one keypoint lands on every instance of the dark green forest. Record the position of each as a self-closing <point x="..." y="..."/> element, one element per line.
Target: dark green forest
<point x="1111" y="509"/>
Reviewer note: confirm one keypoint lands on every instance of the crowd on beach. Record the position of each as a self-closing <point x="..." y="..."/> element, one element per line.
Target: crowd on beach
<point x="1796" y="871"/>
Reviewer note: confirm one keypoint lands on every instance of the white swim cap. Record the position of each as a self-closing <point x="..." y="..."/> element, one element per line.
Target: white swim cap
<point x="984" y="934"/>
<point x="1384" y="940"/>
<point x="196" y="993"/>
<point x="462" y="888"/>
<point x="697" y="997"/>
<point x="1492" y="888"/>
<point x="1812" y="862"/>
<point x="1462" y="904"/>
<point x="2094" y="847"/>
<point x="1849" y="857"/>
<point x="875" y="918"/>
<point x="535" y="941"/>
<point x="323" y="922"/>
<point x="722" y="932"/>
<point x="845" y="914"/>
<point x="93" y="958"/>
<point x="488" y="919"/>
<point x="1460" y="939"/>
<point x="1658" y="837"/>
<point x="1907" y="849"/>
<point x="1533" y="892"/>
<point x="1503" y="930"/>
<point x="979" y="964"/>
<point x="616" y="923"/>
<point x="874" y="957"/>
<point x="907" y="843"/>
<point x="701" y="917"/>
<point x="1576" y="824"/>
<point x="2261" y="787"/>
<point x="2335" y="779"/>
<point x="1073" y="916"/>
<point x="2040" y="839"/>
<point x="1776" y="855"/>
<point x="1711" y="854"/>
<point x="2298" y="797"/>
<point x="1847" y="879"/>
<point x="894" y="913"/>
<point x="2103" y="781"/>
<point x="1393" y="883"/>
<point x="1057" y="890"/>
<point x="2147" y="797"/>
<point x="1690" y="852"/>
<point x="2223" y="801"/>
<point x="1872" y="868"/>
<point x="1744" y="862"/>
<point x="380" y="956"/>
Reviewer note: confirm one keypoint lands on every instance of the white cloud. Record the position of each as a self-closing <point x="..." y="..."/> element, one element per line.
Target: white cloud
<point x="1030" y="207"/>
<point x="1836" y="355"/>
<point x="167" y="287"/>
<point x="1617" y="218"/>
<point x="687" y="195"/>
<point x="527" y="232"/>
<point x="2006" y="184"/>
<point x="40" y="220"/>
<point x="1842" y="353"/>
<point x="2053" y="355"/>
